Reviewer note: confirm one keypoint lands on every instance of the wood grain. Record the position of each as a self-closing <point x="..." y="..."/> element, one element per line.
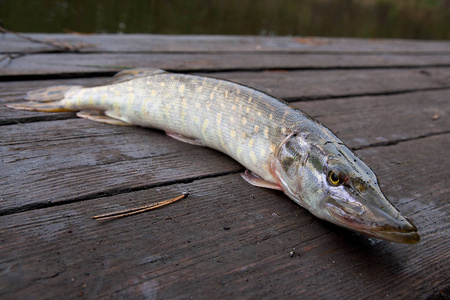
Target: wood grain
<point x="72" y="64"/>
<point x="210" y="43"/>
<point x="70" y="154"/>
<point x="289" y="86"/>
<point x="388" y="99"/>
<point x="230" y="240"/>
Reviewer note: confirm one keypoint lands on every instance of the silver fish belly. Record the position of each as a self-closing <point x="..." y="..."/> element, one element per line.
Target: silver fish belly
<point x="282" y="147"/>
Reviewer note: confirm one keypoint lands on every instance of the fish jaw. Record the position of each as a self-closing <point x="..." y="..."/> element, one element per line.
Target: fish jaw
<point x="379" y="218"/>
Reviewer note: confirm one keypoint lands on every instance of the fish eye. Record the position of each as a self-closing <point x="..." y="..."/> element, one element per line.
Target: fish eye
<point x="334" y="179"/>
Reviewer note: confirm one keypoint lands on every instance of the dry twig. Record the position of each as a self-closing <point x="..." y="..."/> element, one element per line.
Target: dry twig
<point x="60" y="45"/>
<point x="138" y="210"/>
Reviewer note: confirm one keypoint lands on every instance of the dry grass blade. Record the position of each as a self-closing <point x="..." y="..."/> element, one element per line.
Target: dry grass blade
<point x="138" y="210"/>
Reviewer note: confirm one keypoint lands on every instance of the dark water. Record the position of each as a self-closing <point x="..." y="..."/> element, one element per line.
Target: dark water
<point x="413" y="19"/>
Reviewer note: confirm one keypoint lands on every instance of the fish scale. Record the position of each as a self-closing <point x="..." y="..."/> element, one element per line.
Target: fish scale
<point x="282" y="147"/>
<point x="205" y="109"/>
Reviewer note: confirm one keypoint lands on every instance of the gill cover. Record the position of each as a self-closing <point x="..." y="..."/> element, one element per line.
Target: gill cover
<point x="289" y="158"/>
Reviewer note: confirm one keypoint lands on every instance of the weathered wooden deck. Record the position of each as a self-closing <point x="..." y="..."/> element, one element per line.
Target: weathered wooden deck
<point x="388" y="99"/>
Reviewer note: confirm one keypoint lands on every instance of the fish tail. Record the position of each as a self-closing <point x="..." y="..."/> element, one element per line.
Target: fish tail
<point x="46" y="99"/>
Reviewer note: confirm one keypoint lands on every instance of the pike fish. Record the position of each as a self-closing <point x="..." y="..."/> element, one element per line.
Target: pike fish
<point x="282" y="147"/>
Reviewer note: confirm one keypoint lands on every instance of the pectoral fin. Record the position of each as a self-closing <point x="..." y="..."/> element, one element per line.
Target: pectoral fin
<point x="101" y="118"/>
<point x="255" y="180"/>
<point x="185" y="139"/>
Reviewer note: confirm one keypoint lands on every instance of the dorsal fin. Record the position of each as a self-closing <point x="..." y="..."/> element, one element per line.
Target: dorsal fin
<point x="136" y="73"/>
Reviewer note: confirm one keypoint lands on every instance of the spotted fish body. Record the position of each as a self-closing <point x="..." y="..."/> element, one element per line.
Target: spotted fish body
<point x="281" y="146"/>
<point x="239" y="121"/>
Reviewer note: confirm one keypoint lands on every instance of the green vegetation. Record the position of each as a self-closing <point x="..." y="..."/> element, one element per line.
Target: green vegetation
<point x="412" y="19"/>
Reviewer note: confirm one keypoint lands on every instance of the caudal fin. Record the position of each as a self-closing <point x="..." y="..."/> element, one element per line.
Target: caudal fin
<point x="45" y="99"/>
<point x="52" y="93"/>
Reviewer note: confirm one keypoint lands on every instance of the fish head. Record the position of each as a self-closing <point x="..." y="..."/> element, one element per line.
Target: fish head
<point x="329" y="180"/>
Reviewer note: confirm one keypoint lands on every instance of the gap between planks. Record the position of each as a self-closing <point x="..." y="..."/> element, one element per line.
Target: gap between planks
<point x="208" y="72"/>
<point x="185" y="180"/>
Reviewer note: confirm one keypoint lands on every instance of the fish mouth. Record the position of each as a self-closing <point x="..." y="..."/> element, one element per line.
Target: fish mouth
<point x="387" y="224"/>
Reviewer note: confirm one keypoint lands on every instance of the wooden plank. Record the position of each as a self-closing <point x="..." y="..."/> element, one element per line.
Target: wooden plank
<point x="429" y="110"/>
<point x="377" y="120"/>
<point x="58" y="161"/>
<point x="66" y="160"/>
<point x="107" y="43"/>
<point x="231" y="240"/>
<point x="290" y="86"/>
<point x="52" y="63"/>
<point x="307" y="85"/>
